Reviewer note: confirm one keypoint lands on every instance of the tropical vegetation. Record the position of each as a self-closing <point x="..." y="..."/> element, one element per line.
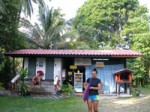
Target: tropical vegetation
<point x="49" y="31"/>
<point x="99" y="24"/>
<point x="111" y="24"/>
<point x="22" y="87"/>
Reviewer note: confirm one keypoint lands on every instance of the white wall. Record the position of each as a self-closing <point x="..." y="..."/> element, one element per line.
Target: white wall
<point x="57" y="67"/>
<point x="26" y="63"/>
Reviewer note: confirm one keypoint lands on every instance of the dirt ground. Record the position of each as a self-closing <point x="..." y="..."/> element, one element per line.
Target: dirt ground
<point x="114" y="104"/>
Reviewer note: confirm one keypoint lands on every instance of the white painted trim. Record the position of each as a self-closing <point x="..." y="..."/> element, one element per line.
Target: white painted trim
<point x="26" y="63"/>
<point x="15" y="78"/>
<point x="58" y="68"/>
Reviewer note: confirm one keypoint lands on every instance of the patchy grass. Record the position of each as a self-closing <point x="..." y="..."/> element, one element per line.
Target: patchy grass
<point x="145" y="90"/>
<point x="18" y="104"/>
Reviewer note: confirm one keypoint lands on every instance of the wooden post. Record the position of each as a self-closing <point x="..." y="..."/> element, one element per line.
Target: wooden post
<point x="116" y="87"/>
<point x="14" y="73"/>
<point x="130" y="89"/>
<point x="119" y="88"/>
<point x="124" y="87"/>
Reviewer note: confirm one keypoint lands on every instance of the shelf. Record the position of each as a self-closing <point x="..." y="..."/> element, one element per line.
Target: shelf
<point x="78" y="82"/>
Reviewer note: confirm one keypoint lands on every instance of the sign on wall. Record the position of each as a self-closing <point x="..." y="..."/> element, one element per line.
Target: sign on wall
<point x="83" y="61"/>
<point x="73" y="67"/>
<point x="99" y="64"/>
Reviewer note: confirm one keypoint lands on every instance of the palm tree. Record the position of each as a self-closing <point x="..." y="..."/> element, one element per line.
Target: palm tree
<point x="27" y="6"/>
<point x="50" y="30"/>
<point x="2" y="6"/>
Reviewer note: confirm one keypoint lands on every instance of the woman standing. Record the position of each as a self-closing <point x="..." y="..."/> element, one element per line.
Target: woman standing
<point x="93" y="97"/>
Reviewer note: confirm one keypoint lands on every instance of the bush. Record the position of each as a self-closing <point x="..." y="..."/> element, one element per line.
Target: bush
<point x="1" y="86"/>
<point x="6" y="73"/>
<point x="67" y="89"/>
<point x="22" y="87"/>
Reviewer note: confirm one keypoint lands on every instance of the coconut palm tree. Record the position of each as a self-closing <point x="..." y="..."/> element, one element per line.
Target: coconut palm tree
<point x="2" y="6"/>
<point x="50" y="30"/>
<point x="27" y="6"/>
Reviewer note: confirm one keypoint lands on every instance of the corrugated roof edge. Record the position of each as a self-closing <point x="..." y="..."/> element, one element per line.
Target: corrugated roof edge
<point x="49" y="52"/>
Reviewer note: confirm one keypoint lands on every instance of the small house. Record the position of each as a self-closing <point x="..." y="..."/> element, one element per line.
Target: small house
<point x="76" y="65"/>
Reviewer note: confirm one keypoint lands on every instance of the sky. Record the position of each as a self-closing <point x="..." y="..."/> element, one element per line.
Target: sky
<point x="70" y="7"/>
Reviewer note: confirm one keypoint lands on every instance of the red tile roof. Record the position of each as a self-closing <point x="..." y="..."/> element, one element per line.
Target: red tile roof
<point x="71" y="53"/>
<point x="123" y="71"/>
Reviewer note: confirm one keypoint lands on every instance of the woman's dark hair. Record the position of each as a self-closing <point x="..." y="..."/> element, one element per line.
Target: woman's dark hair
<point x="94" y="70"/>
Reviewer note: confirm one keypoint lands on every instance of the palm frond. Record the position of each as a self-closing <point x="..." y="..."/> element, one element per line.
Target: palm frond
<point x="27" y="7"/>
<point x="26" y="24"/>
<point x="2" y="7"/>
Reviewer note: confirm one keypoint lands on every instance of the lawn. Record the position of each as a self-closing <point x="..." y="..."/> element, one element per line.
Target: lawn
<point x="145" y="91"/>
<point x="18" y="104"/>
<point x="72" y="104"/>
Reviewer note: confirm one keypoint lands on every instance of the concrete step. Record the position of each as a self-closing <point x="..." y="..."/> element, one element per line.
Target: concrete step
<point x="45" y="88"/>
<point x="43" y="82"/>
<point x="40" y="93"/>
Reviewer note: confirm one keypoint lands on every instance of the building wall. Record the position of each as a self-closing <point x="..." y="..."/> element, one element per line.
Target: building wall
<point x="54" y="67"/>
<point x="26" y="63"/>
<point x="106" y="73"/>
<point x="48" y="67"/>
<point x="41" y="65"/>
<point x="58" y="68"/>
<point x="32" y="67"/>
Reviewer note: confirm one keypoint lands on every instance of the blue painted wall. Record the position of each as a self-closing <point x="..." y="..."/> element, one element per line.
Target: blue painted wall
<point x="32" y="67"/>
<point x="106" y="76"/>
<point x="49" y="68"/>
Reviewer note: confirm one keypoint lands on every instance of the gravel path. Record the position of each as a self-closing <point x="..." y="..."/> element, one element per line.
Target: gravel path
<point x="114" y="104"/>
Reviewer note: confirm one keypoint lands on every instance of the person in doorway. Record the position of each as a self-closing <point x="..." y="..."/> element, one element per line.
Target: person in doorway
<point x="93" y="98"/>
<point x="56" y="83"/>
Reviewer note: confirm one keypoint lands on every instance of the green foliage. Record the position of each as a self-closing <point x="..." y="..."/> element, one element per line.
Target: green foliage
<point x="48" y="32"/>
<point x="2" y="7"/>
<point x="27" y="6"/>
<point x="1" y="85"/>
<point x="6" y="72"/>
<point x="67" y="89"/>
<point x="140" y="76"/>
<point x="10" y="37"/>
<point x="106" y="18"/>
<point x="104" y="24"/>
<point x="22" y="87"/>
<point x="137" y="34"/>
<point x="111" y="24"/>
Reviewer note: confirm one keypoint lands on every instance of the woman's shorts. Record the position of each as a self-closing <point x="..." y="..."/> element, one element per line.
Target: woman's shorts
<point x="93" y="97"/>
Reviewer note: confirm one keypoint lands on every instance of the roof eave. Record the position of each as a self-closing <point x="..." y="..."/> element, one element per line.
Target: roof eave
<point x="62" y="55"/>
